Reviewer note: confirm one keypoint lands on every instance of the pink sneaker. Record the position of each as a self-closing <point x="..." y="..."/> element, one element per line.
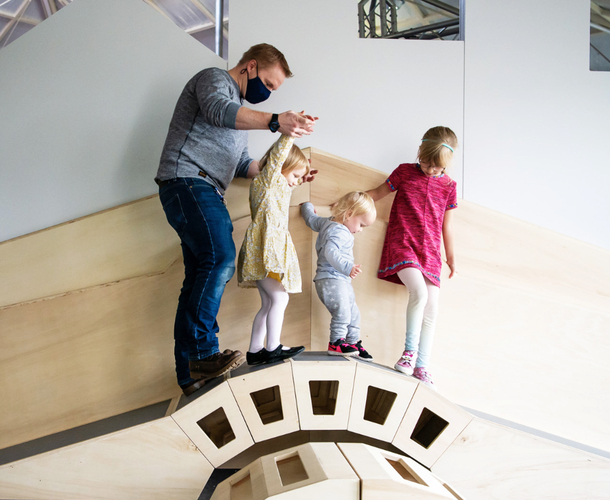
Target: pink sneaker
<point x="424" y="376"/>
<point x="406" y="363"/>
<point x="342" y="348"/>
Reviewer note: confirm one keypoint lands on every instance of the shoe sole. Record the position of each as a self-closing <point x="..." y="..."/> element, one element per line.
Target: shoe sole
<point x="365" y="359"/>
<point x="349" y="354"/>
<point x="403" y="370"/>
<point x="227" y="368"/>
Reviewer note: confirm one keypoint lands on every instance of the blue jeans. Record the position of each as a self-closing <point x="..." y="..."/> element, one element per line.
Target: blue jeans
<point x="195" y="209"/>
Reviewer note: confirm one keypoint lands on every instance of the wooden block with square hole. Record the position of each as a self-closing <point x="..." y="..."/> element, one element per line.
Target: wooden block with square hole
<point x="379" y="402"/>
<point x="300" y="473"/>
<point x="430" y="425"/>
<point x="267" y="401"/>
<point x="215" y="424"/>
<point x="387" y="475"/>
<point x="323" y="391"/>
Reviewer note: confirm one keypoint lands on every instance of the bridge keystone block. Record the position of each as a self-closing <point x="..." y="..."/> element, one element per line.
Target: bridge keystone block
<point x="323" y="392"/>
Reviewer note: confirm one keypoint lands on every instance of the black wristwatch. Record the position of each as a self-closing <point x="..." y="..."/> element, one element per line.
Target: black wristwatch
<point x="274" y="124"/>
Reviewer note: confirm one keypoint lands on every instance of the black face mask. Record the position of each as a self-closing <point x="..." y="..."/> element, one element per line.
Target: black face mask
<point x="256" y="90"/>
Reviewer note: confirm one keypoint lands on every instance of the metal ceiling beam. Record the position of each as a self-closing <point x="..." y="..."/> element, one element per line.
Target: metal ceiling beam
<point x="10" y="25"/>
<point x="26" y="20"/>
<point x="206" y="12"/>
<point x="443" y="6"/>
<point x="600" y="27"/>
<point x="219" y="28"/>
<point x="46" y="8"/>
<point x="425" y="29"/>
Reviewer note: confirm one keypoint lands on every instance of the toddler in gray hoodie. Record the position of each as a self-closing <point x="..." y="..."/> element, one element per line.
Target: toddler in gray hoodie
<point x="336" y="268"/>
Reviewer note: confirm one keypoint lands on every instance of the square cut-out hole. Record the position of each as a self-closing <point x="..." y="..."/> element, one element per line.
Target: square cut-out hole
<point x="378" y="405"/>
<point x="217" y="428"/>
<point x="291" y="469"/>
<point x="428" y="428"/>
<point x="323" y="396"/>
<point x="242" y="489"/>
<point x="268" y="403"/>
<point x="402" y="470"/>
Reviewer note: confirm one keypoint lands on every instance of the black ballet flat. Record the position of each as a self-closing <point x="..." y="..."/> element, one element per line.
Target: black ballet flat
<point x="257" y="358"/>
<point x="279" y="354"/>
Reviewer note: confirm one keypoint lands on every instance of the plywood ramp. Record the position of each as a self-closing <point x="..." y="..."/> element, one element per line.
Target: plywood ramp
<point x="491" y="462"/>
<point x="154" y="460"/>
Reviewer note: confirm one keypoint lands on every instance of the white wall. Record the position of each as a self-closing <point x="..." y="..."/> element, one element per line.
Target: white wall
<point x="375" y="98"/>
<point x="85" y="104"/>
<point x="535" y="130"/>
<point x="536" y="119"/>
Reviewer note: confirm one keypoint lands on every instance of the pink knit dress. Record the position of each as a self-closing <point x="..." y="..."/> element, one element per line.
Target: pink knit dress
<point x="413" y="237"/>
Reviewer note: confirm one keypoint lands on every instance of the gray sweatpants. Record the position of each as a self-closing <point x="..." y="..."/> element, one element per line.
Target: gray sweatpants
<point x="338" y="297"/>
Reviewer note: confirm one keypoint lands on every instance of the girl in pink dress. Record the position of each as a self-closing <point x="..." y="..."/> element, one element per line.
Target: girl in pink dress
<point x="421" y="213"/>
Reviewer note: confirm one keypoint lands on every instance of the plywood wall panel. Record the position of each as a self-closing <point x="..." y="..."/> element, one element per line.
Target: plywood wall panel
<point x="124" y="242"/>
<point x="88" y="355"/>
<point x="338" y="176"/>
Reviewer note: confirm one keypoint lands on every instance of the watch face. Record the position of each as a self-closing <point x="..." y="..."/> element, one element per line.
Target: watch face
<point x="274" y="126"/>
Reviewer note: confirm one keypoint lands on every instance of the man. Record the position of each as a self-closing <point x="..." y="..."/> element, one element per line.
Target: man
<point x="206" y="147"/>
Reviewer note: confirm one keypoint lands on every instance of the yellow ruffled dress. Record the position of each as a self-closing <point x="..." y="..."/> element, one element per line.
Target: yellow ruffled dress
<point x="267" y="250"/>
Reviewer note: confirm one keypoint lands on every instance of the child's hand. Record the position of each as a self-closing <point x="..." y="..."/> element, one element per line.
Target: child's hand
<point x="309" y="117"/>
<point x="310" y="176"/>
<point x="452" y="269"/>
<point x="314" y="208"/>
<point x="355" y="271"/>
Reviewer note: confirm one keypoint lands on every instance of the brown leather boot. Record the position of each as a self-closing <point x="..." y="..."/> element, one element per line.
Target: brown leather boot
<point x="194" y="386"/>
<point x="216" y="364"/>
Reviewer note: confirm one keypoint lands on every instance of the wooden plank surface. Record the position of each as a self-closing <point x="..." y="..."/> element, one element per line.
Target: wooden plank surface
<point x="155" y="459"/>
<point x="491" y="462"/>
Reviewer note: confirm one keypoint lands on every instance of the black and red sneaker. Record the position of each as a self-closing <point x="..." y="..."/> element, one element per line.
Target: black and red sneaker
<point x="341" y="348"/>
<point x="362" y="353"/>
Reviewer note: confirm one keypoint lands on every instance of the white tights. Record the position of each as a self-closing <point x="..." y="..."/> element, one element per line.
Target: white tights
<point x="421" y="313"/>
<point x="268" y="321"/>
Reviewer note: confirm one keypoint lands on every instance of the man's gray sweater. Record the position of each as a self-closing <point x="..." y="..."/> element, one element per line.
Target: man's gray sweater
<point x="202" y="140"/>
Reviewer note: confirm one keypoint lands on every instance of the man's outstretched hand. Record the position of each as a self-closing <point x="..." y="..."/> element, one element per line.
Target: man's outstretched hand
<point x="296" y="124"/>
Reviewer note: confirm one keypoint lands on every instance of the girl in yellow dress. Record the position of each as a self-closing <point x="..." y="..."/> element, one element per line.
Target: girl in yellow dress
<point x="268" y="259"/>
